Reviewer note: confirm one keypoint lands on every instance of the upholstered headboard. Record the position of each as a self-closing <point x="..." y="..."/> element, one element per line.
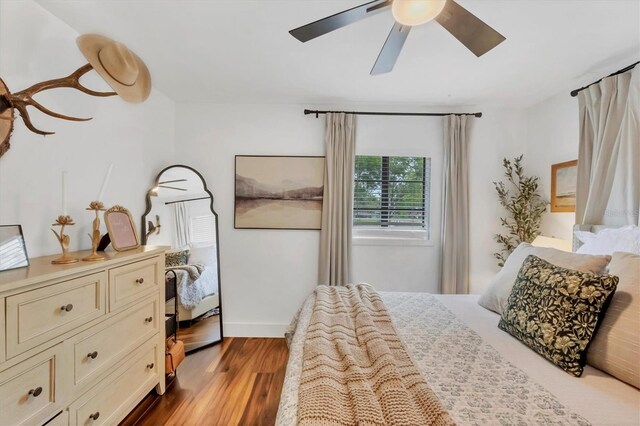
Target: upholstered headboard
<point x="589" y="228"/>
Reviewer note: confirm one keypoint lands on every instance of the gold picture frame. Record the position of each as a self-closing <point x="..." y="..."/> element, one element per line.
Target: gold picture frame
<point x="121" y="228"/>
<point x="564" y="179"/>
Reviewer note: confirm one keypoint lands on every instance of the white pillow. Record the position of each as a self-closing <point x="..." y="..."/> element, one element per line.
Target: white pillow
<point x="609" y="240"/>
<point x="206" y="256"/>
<point x="496" y="296"/>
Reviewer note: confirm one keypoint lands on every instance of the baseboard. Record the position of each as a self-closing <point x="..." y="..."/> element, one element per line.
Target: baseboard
<point x="247" y="329"/>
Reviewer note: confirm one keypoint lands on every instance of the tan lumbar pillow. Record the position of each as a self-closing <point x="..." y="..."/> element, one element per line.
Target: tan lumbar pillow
<point x="496" y="296"/>
<point x="616" y="346"/>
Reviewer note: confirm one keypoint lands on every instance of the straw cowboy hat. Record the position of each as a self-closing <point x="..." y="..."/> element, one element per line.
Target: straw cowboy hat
<point x="121" y="68"/>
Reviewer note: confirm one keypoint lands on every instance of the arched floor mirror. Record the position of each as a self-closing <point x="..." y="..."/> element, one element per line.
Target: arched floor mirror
<point x="180" y="214"/>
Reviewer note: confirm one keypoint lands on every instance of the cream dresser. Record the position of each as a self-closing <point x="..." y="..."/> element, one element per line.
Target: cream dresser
<point x="81" y="344"/>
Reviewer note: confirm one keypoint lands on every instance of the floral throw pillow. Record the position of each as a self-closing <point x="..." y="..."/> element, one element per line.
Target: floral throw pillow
<point x="555" y="311"/>
<point x="176" y="258"/>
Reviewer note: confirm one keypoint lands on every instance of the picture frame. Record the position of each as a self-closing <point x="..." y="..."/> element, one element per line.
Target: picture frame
<point x="13" y="250"/>
<point x="564" y="180"/>
<point x="121" y="228"/>
<point x="278" y="192"/>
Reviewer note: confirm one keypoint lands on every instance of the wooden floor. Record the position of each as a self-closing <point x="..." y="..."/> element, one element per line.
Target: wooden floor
<point x="201" y="332"/>
<point x="235" y="383"/>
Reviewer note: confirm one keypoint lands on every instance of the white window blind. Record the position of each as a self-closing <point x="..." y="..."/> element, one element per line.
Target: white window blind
<point x="391" y="192"/>
<point x="203" y="229"/>
<point x="12" y="253"/>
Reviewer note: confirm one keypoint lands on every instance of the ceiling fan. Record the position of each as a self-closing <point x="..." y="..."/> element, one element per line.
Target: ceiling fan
<point x="154" y="190"/>
<point x="462" y="24"/>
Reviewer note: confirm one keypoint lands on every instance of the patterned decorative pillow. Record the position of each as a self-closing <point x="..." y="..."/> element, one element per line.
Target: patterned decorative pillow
<point x="176" y="258"/>
<point x="555" y="311"/>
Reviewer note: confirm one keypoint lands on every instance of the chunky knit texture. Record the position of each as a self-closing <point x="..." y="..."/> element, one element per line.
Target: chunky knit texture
<point x="356" y="370"/>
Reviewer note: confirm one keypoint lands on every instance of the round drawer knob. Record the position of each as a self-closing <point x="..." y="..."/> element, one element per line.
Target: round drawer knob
<point x="150" y="366"/>
<point x="139" y="280"/>
<point x="67" y="307"/>
<point x="36" y="392"/>
<point x="92" y="355"/>
<point x="148" y="319"/>
<point x="95" y="415"/>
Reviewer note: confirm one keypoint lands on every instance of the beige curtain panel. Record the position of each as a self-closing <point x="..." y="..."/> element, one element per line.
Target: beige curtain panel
<point x="337" y="207"/>
<point x="608" y="190"/>
<point x="183" y="225"/>
<point x="454" y="270"/>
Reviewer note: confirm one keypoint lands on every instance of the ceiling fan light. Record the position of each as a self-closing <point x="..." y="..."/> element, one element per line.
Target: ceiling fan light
<point x="416" y="12"/>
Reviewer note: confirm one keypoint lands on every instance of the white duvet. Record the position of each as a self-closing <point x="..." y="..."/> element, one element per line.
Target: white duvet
<point x="481" y="374"/>
<point x="191" y="291"/>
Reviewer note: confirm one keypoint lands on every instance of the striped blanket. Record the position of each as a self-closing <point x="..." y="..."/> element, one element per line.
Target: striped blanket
<point x="356" y="370"/>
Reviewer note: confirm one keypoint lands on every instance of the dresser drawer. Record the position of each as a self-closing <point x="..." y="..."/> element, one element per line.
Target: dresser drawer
<point x="113" y="398"/>
<point x="130" y="282"/>
<point x="62" y="419"/>
<point x="30" y="391"/>
<point x="100" y="348"/>
<point x="40" y="315"/>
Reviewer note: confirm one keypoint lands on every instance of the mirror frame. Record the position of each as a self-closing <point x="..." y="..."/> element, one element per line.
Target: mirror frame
<point x="143" y="238"/>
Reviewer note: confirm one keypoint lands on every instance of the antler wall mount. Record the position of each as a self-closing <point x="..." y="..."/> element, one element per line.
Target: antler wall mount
<point x="123" y="70"/>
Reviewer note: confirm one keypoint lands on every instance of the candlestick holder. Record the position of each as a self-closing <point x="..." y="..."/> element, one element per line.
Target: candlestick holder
<point x="63" y="239"/>
<point x="95" y="236"/>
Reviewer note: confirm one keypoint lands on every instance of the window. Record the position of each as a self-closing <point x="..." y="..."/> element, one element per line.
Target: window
<point x="392" y="193"/>
<point x="203" y="229"/>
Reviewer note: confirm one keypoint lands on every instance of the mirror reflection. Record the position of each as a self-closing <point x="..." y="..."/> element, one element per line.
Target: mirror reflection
<point x="13" y="252"/>
<point x="180" y="214"/>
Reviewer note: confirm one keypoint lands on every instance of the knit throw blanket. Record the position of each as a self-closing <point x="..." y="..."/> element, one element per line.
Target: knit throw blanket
<point x="356" y="370"/>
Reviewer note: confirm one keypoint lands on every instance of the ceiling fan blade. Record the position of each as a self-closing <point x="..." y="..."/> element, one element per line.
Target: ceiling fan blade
<point x="171" y="187"/>
<point x="171" y="181"/>
<point x="391" y="50"/>
<point x="470" y="30"/>
<point x="339" y="20"/>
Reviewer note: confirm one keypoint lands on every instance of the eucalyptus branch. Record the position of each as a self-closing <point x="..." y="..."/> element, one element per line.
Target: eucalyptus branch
<point x="524" y="207"/>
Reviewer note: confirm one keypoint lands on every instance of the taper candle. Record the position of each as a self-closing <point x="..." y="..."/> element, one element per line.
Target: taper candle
<point x="64" y="193"/>
<point x="105" y="182"/>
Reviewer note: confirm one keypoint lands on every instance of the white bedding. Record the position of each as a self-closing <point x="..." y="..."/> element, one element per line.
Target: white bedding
<point x="596" y="396"/>
<point x="191" y="293"/>
<point x="483" y="375"/>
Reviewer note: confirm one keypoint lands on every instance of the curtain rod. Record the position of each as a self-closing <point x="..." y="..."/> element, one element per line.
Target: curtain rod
<point x="184" y="201"/>
<point x="575" y="92"/>
<point x="422" y="114"/>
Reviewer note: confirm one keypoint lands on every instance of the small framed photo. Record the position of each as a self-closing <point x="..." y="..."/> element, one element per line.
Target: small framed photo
<point x="564" y="180"/>
<point x="122" y="230"/>
<point x="13" y="251"/>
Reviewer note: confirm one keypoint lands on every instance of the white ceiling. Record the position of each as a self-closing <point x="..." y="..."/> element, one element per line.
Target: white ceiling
<point x="240" y="50"/>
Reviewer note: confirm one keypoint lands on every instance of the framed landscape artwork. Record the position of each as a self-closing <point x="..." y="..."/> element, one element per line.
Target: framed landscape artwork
<point x="275" y="192"/>
<point x="564" y="179"/>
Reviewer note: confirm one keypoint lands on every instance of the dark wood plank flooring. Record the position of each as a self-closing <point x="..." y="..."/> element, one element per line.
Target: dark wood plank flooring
<point x="201" y="332"/>
<point x="235" y="383"/>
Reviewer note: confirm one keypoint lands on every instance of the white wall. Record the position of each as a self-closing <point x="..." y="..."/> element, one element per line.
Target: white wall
<point x="267" y="273"/>
<point x="136" y="138"/>
<point x="552" y="137"/>
<point x="498" y="134"/>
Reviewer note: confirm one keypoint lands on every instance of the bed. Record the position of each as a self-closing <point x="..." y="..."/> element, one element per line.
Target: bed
<point x="481" y="374"/>
<point x="197" y="290"/>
